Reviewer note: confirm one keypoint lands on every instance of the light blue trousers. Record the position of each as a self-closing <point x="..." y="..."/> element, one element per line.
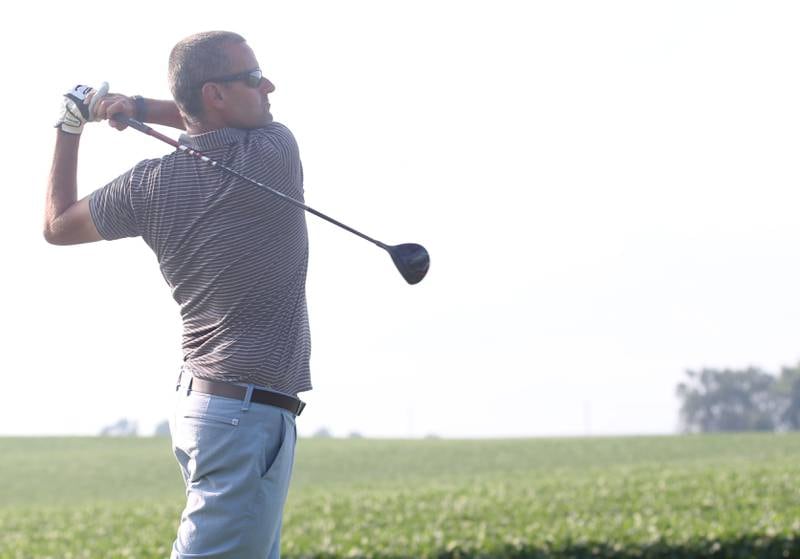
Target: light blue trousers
<point x="236" y="458"/>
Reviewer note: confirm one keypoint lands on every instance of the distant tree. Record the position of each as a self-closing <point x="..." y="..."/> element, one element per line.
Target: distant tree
<point x="162" y="429"/>
<point x="122" y="428"/>
<point x="729" y="400"/>
<point x="322" y="433"/>
<point x="787" y="390"/>
<point x="355" y="435"/>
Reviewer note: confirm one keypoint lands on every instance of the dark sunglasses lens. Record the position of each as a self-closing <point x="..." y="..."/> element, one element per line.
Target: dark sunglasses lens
<point x="254" y="78"/>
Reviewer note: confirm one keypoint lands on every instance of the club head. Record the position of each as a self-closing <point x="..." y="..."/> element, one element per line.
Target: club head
<point x="412" y="261"/>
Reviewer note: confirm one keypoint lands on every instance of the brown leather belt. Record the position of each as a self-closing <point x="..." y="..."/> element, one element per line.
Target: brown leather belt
<point x="237" y="392"/>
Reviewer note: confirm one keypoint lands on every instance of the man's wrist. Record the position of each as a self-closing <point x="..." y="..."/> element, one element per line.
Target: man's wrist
<point x="67" y="134"/>
<point x="139" y="108"/>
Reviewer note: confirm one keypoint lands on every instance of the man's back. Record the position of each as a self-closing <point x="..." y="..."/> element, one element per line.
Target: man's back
<point x="234" y="256"/>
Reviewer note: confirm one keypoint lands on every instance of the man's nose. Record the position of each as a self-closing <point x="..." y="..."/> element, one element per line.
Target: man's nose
<point x="267" y="86"/>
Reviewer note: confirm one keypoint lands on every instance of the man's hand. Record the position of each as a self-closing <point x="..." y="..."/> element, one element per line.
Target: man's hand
<point x="79" y="107"/>
<point x="115" y="103"/>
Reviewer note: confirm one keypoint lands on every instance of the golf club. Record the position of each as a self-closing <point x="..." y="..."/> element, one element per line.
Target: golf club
<point x="411" y="260"/>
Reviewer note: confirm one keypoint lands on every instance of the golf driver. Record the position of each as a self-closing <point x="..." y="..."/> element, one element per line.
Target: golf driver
<point x="411" y="260"/>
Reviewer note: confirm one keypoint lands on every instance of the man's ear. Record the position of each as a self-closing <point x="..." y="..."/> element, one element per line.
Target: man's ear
<point x="212" y="95"/>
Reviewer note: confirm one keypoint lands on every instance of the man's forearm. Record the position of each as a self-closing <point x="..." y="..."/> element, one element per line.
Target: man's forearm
<point x="163" y="112"/>
<point x="62" y="185"/>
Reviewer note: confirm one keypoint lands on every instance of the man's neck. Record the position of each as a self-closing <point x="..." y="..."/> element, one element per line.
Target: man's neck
<point x="195" y="129"/>
<point x="208" y="124"/>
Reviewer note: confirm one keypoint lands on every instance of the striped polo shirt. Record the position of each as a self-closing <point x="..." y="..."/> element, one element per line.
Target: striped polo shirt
<point x="234" y="255"/>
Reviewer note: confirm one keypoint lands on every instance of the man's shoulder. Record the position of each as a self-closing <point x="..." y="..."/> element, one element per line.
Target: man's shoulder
<point x="147" y="167"/>
<point x="274" y="137"/>
<point x="140" y="170"/>
<point x="273" y="130"/>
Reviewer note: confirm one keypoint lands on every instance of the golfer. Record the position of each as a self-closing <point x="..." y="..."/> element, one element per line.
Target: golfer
<point x="235" y="259"/>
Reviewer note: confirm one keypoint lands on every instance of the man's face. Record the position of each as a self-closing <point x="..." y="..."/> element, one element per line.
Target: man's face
<point x="245" y="106"/>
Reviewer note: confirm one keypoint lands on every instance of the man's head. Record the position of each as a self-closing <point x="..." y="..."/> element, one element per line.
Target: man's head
<point x="216" y="82"/>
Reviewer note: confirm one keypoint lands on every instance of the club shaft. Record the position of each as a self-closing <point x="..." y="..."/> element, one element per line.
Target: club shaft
<point x="141" y="127"/>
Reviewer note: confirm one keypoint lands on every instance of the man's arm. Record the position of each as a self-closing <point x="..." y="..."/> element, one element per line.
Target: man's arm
<point x="163" y="112"/>
<point x="66" y="220"/>
<point x="155" y="111"/>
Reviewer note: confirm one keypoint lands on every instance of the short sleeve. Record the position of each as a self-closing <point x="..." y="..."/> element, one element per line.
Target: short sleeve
<point x="113" y="207"/>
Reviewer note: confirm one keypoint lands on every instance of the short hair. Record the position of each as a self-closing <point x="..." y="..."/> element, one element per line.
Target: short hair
<point x="195" y="60"/>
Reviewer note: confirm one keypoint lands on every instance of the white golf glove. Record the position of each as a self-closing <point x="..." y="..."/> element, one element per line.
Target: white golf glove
<point x="78" y="107"/>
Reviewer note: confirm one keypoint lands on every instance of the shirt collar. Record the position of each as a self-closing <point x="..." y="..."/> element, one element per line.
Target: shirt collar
<point x="214" y="139"/>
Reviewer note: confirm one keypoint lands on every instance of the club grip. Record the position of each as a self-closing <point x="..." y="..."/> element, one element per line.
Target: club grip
<point x="132" y="122"/>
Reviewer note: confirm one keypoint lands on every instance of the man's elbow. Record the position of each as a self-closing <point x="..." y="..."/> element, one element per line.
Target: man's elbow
<point x="52" y="236"/>
<point x="66" y="233"/>
<point x="56" y="234"/>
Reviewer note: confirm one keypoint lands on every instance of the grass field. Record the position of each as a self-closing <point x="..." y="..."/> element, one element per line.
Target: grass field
<point x="699" y="496"/>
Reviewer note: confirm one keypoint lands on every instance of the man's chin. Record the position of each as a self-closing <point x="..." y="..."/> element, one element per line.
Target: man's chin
<point x="260" y="123"/>
<point x="266" y="119"/>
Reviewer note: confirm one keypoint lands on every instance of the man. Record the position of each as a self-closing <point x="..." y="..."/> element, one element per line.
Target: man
<point x="235" y="259"/>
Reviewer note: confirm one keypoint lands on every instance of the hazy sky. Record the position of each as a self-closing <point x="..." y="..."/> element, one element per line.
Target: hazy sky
<point x="608" y="190"/>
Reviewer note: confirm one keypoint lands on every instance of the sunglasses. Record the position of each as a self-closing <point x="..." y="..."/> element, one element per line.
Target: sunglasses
<point x="251" y="78"/>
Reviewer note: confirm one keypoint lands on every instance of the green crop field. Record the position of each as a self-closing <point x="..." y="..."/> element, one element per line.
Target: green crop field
<point x="699" y="496"/>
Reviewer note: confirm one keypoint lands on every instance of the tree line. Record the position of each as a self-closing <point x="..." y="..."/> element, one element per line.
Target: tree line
<point x="717" y="400"/>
